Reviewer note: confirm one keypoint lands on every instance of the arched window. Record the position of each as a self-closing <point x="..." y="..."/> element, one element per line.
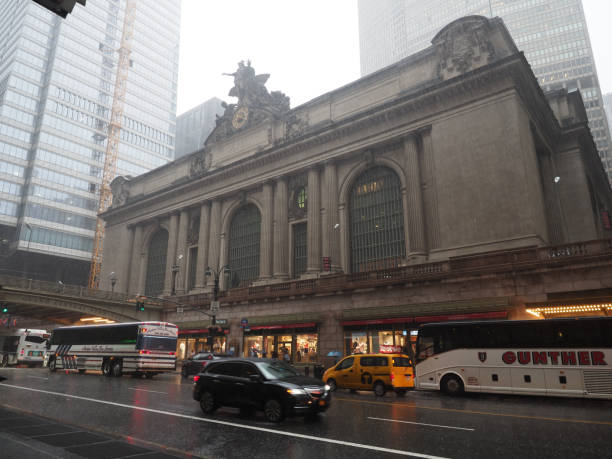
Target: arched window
<point x="156" y="264"/>
<point x="243" y="246"/>
<point x="376" y="221"/>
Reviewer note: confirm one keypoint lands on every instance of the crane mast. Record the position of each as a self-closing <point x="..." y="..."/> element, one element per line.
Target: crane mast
<point x="112" y="145"/>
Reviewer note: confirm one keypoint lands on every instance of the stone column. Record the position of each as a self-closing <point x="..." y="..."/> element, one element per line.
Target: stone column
<point x="313" y="230"/>
<point x="142" y="271"/>
<point x="330" y="235"/>
<point x="202" y="262"/>
<point x="281" y="230"/>
<point x="344" y="234"/>
<point x="136" y="266"/>
<point x="430" y="197"/>
<point x="126" y="253"/>
<point x="181" y="249"/>
<point x="265" y="246"/>
<point x="413" y="203"/>
<point x="551" y="198"/>
<point x="171" y="253"/>
<point x="214" y="239"/>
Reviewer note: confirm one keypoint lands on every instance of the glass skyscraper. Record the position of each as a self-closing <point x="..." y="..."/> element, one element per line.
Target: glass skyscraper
<point x="56" y="94"/>
<point x="552" y="33"/>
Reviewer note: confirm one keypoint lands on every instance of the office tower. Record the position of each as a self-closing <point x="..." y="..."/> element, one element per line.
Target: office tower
<point x="193" y="126"/>
<point x="607" y="103"/>
<point x="552" y="33"/>
<point x="56" y="95"/>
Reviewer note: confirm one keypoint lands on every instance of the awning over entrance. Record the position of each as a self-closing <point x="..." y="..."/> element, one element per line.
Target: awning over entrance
<point x="424" y="319"/>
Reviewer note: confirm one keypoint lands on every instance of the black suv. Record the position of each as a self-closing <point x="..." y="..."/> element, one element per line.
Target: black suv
<point x="260" y="384"/>
<point x="195" y="364"/>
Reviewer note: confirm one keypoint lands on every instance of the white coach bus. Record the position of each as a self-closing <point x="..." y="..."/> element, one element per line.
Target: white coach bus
<point x="562" y="357"/>
<point x="22" y="346"/>
<point x="138" y="348"/>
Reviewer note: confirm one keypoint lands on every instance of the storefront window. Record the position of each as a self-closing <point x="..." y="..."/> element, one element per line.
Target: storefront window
<point x="306" y="348"/>
<point x="253" y="346"/>
<point x="356" y="343"/>
<point x="370" y="340"/>
<point x="293" y="345"/>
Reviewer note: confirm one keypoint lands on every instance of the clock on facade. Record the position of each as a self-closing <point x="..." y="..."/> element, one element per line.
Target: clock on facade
<point x="240" y="117"/>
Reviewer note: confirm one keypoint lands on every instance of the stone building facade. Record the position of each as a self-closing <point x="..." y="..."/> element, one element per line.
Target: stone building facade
<point x="318" y="211"/>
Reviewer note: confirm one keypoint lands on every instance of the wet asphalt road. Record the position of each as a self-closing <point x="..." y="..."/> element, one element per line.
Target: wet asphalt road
<point x="161" y="412"/>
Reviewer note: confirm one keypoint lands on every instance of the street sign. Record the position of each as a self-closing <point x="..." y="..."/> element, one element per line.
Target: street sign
<point x="247" y="329"/>
<point x="179" y="309"/>
<point x="221" y="321"/>
<point x="243" y="322"/>
<point x="214" y="306"/>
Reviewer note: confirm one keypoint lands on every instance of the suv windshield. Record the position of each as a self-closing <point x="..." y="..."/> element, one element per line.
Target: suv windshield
<point x="276" y="369"/>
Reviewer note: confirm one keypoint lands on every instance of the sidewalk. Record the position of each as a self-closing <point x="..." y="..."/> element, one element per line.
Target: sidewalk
<point x="26" y="436"/>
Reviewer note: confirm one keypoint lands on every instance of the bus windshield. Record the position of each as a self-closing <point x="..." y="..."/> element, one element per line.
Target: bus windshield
<point x="156" y="343"/>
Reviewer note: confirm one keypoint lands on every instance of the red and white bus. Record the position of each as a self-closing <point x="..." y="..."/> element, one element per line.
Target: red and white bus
<point x="561" y="357"/>
<point x="141" y="348"/>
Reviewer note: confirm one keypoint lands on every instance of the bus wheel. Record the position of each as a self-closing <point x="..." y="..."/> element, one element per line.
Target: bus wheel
<point x="452" y="385"/>
<point x="52" y="365"/>
<point x="379" y="389"/>
<point x="106" y="368"/>
<point x="81" y="371"/>
<point x="116" y="369"/>
<point x="4" y="362"/>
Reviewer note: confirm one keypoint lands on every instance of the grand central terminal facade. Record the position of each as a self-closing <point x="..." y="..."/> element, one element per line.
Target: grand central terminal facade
<point x="445" y="186"/>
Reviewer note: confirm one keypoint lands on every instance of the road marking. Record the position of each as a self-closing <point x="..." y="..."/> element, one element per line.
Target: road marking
<point x="145" y="390"/>
<point x="233" y="424"/>
<point x="484" y="413"/>
<point x="39" y="377"/>
<point x="421" y="424"/>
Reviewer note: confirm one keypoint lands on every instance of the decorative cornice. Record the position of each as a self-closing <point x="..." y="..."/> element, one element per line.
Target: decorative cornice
<point x="514" y="66"/>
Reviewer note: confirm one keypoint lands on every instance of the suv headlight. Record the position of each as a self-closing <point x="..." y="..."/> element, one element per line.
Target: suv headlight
<point x="296" y="391"/>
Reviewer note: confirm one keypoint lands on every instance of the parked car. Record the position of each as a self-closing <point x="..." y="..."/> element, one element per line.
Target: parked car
<point x="377" y="372"/>
<point x="193" y="365"/>
<point x="260" y="384"/>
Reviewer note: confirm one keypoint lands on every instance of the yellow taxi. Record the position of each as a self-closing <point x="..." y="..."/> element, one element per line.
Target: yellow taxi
<point x="377" y="372"/>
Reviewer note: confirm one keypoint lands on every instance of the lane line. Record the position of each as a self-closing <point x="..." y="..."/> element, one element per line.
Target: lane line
<point x="421" y="424"/>
<point x="145" y="390"/>
<point x="39" y="377"/>
<point x="483" y="413"/>
<point x="233" y="424"/>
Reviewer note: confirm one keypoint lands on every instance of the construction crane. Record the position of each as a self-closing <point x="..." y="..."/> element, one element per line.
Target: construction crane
<point x="112" y="145"/>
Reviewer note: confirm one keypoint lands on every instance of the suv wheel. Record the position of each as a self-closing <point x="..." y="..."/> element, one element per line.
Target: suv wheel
<point x="273" y="409"/>
<point x="207" y="403"/>
<point x="379" y="389"/>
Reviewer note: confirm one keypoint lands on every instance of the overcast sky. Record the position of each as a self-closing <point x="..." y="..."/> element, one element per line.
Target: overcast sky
<point x="308" y="47"/>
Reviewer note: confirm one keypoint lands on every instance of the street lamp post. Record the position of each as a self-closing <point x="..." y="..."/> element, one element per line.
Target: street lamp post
<point x="113" y="279"/>
<point x="216" y="273"/>
<point x="175" y="269"/>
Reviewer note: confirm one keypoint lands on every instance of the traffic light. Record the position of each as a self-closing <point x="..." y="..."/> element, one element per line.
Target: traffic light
<point x="140" y="306"/>
<point x="4" y="309"/>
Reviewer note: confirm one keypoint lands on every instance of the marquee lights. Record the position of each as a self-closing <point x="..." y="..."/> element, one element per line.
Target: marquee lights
<point x="569" y="309"/>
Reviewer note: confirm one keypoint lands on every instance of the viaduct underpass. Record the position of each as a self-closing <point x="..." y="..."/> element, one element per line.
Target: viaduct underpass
<point x="35" y="303"/>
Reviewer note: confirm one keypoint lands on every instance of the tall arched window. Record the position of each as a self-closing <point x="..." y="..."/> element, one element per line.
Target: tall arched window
<point x="243" y="245"/>
<point x="156" y="263"/>
<point x="376" y="221"/>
